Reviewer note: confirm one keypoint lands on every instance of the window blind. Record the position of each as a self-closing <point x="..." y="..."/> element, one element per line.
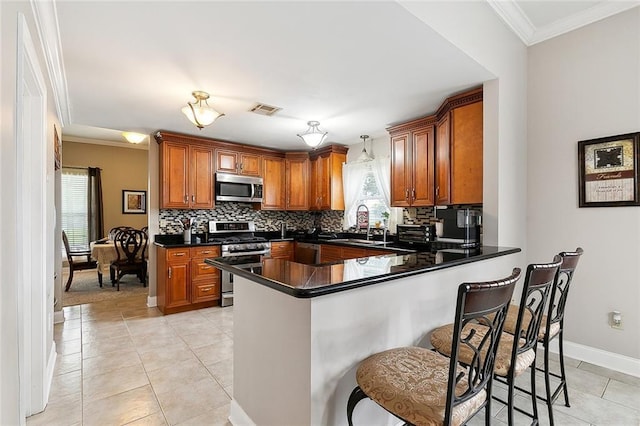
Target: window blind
<point x="75" y="204"/>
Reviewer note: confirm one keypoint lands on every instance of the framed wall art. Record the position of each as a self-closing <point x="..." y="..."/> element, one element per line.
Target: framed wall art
<point x="608" y="171"/>
<point x="57" y="147"/>
<point x="134" y="202"/>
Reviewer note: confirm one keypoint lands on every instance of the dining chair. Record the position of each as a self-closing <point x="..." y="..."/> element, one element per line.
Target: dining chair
<point x="130" y="245"/>
<point x="74" y="264"/>
<point x="423" y="387"/>
<point x="552" y="327"/>
<point x="516" y="352"/>
<point x="113" y="232"/>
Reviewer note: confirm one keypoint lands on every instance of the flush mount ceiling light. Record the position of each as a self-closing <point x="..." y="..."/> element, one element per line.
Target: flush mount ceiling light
<point x="199" y="112"/>
<point x="133" y="137"/>
<point x="313" y="136"/>
<point x="364" y="156"/>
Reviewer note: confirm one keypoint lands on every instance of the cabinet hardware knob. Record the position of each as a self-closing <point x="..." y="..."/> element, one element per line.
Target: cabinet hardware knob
<point x="193" y="198"/>
<point x="206" y="267"/>
<point x="437" y="190"/>
<point x="169" y="272"/>
<point x="178" y="254"/>
<point x="406" y="194"/>
<point x="186" y="198"/>
<point x="204" y="290"/>
<point x="413" y="192"/>
<point x="206" y="251"/>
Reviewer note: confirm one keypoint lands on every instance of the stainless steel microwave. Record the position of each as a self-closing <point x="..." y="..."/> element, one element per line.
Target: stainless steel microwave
<point x="244" y="189"/>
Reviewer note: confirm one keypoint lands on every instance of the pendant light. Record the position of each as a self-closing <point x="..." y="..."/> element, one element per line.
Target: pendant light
<point x="199" y="112"/>
<point x="364" y="156"/>
<point x="313" y="136"/>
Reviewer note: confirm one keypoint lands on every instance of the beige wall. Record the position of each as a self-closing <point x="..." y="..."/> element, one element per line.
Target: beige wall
<point x="122" y="168"/>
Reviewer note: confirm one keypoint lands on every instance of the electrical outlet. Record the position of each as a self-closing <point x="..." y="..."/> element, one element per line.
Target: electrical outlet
<point x="615" y="320"/>
<point x="163" y="223"/>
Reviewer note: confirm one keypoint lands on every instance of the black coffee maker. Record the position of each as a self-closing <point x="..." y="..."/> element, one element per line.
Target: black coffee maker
<point x="460" y="226"/>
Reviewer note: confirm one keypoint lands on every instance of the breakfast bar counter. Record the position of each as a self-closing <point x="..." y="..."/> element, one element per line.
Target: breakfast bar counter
<point x="300" y="331"/>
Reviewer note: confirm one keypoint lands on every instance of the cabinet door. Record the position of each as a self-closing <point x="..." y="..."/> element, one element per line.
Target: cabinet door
<point x="443" y="179"/>
<point x="274" y="183"/>
<point x="400" y="170"/>
<point x="323" y="182"/>
<point x="466" y="154"/>
<point x="297" y="171"/>
<point x="177" y="285"/>
<point x="314" y="186"/>
<point x="175" y="175"/>
<point x="226" y="161"/>
<point x="422" y="188"/>
<point x="282" y="250"/>
<point x="250" y="164"/>
<point x="201" y="177"/>
<point x="329" y="253"/>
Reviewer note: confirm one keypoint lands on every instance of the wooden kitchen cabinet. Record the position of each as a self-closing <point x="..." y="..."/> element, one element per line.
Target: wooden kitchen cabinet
<point x="412" y="165"/>
<point x="185" y="282"/>
<point x="238" y="162"/>
<point x="186" y="175"/>
<point x="274" y="194"/>
<point x="282" y="250"/>
<point x="326" y="178"/>
<point x="331" y="253"/>
<point x="297" y="181"/>
<point x="459" y="155"/>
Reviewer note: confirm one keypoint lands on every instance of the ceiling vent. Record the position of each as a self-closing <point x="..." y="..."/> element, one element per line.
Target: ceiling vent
<point x="263" y="109"/>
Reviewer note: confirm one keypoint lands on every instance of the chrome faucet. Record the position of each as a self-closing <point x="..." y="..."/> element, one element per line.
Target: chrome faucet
<point x="363" y="206"/>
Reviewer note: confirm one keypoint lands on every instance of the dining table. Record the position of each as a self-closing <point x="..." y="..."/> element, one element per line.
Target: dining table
<point x="103" y="252"/>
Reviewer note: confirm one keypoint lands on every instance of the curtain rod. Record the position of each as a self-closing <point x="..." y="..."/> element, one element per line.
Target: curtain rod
<point x="80" y="168"/>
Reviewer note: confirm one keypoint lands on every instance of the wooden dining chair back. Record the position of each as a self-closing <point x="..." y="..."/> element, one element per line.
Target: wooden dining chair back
<point x="74" y="263"/>
<point x="421" y="386"/>
<point x="113" y="232"/>
<point x="130" y="245"/>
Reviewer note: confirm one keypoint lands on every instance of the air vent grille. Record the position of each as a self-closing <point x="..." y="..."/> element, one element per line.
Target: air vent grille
<point x="264" y="109"/>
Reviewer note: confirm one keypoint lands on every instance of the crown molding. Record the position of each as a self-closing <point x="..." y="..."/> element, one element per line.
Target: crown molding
<point x="515" y="18"/>
<point x="46" y="20"/>
<point x="588" y="16"/>
<point x="117" y="144"/>
<point x="520" y="24"/>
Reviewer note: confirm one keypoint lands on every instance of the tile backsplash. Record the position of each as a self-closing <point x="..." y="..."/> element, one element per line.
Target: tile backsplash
<point x="265" y="220"/>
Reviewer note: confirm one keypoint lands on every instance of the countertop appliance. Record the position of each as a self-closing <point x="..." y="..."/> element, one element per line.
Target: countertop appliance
<point x="245" y="189"/>
<point x="237" y="239"/>
<point x="460" y="226"/>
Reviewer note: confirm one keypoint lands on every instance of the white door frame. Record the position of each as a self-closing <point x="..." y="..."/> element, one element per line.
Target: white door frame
<point x="35" y="364"/>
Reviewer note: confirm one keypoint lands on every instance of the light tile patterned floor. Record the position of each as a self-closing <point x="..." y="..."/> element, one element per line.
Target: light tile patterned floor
<point x="120" y="362"/>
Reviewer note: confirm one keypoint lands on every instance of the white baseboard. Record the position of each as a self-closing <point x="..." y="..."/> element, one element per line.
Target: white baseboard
<point x="610" y="360"/>
<point x="152" y="301"/>
<point x="238" y="417"/>
<point x="51" y="364"/>
<point x="58" y="317"/>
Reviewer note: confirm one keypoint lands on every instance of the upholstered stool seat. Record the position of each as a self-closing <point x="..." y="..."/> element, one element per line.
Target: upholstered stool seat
<point x="412" y="383"/>
<point x="512" y="318"/>
<point x="441" y="341"/>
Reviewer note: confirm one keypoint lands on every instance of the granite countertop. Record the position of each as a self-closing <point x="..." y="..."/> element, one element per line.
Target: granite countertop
<point x="305" y="281"/>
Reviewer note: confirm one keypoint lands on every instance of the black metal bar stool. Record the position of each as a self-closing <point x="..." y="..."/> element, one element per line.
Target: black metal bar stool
<point x="514" y="355"/>
<point x="421" y="386"/>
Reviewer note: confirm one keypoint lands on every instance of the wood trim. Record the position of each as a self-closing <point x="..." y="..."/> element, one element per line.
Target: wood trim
<point x="163" y="136"/>
<point x="327" y="150"/>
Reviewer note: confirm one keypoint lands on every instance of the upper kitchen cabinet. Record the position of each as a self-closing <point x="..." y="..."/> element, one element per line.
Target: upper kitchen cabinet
<point x="438" y="159"/>
<point x="297" y="181"/>
<point x="274" y="194"/>
<point x="459" y="150"/>
<point x="238" y="162"/>
<point x="186" y="173"/>
<point x="412" y="164"/>
<point x="326" y="178"/>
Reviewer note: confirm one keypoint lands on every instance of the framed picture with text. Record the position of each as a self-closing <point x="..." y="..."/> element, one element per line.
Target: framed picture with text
<point x="134" y="202"/>
<point x="608" y="171"/>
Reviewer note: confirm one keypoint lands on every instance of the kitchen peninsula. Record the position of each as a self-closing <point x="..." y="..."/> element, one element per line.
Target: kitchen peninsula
<point x="301" y="330"/>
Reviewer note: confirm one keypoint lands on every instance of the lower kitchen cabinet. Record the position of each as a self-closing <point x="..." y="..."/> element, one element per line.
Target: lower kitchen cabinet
<point x="282" y="250"/>
<point x="185" y="281"/>
<point x="331" y="253"/>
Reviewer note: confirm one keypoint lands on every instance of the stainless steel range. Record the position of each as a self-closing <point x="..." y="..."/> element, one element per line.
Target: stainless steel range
<point x="237" y="239"/>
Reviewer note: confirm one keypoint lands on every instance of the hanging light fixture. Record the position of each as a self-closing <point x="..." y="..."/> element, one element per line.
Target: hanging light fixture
<point x="313" y="136"/>
<point x="133" y="137"/>
<point x="364" y="156"/>
<point x="199" y="112"/>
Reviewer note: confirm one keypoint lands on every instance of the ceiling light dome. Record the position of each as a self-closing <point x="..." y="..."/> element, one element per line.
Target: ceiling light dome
<point x="133" y="137"/>
<point x="199" y="112"/>
<point x="313" y="136"/>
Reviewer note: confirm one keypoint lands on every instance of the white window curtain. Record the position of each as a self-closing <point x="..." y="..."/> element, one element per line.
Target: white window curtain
<point x="353" y="175"/>
<point x="382" y="168"/>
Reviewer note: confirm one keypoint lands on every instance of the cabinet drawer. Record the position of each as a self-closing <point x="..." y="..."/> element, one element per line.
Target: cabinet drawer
<point x="204" y="292"/>
<point x="201" y="269"/>
<point x="211" y="251"/>
<point x="178" y="254"/>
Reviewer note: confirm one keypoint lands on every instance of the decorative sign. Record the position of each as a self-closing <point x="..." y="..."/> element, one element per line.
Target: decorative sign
<point x="609" y="171"/>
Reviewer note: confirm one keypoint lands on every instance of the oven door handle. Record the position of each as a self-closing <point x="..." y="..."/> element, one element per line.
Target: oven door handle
<point x="246" y="253"/>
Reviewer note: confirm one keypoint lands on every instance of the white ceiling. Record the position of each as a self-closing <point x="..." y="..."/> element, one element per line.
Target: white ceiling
<point x="357" y="67"/>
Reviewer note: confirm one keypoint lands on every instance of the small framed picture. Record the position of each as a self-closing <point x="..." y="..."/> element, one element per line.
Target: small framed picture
<point x="134" y="202"/>
<point x="57" y="147"/>
<point x="609" y="171"/>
